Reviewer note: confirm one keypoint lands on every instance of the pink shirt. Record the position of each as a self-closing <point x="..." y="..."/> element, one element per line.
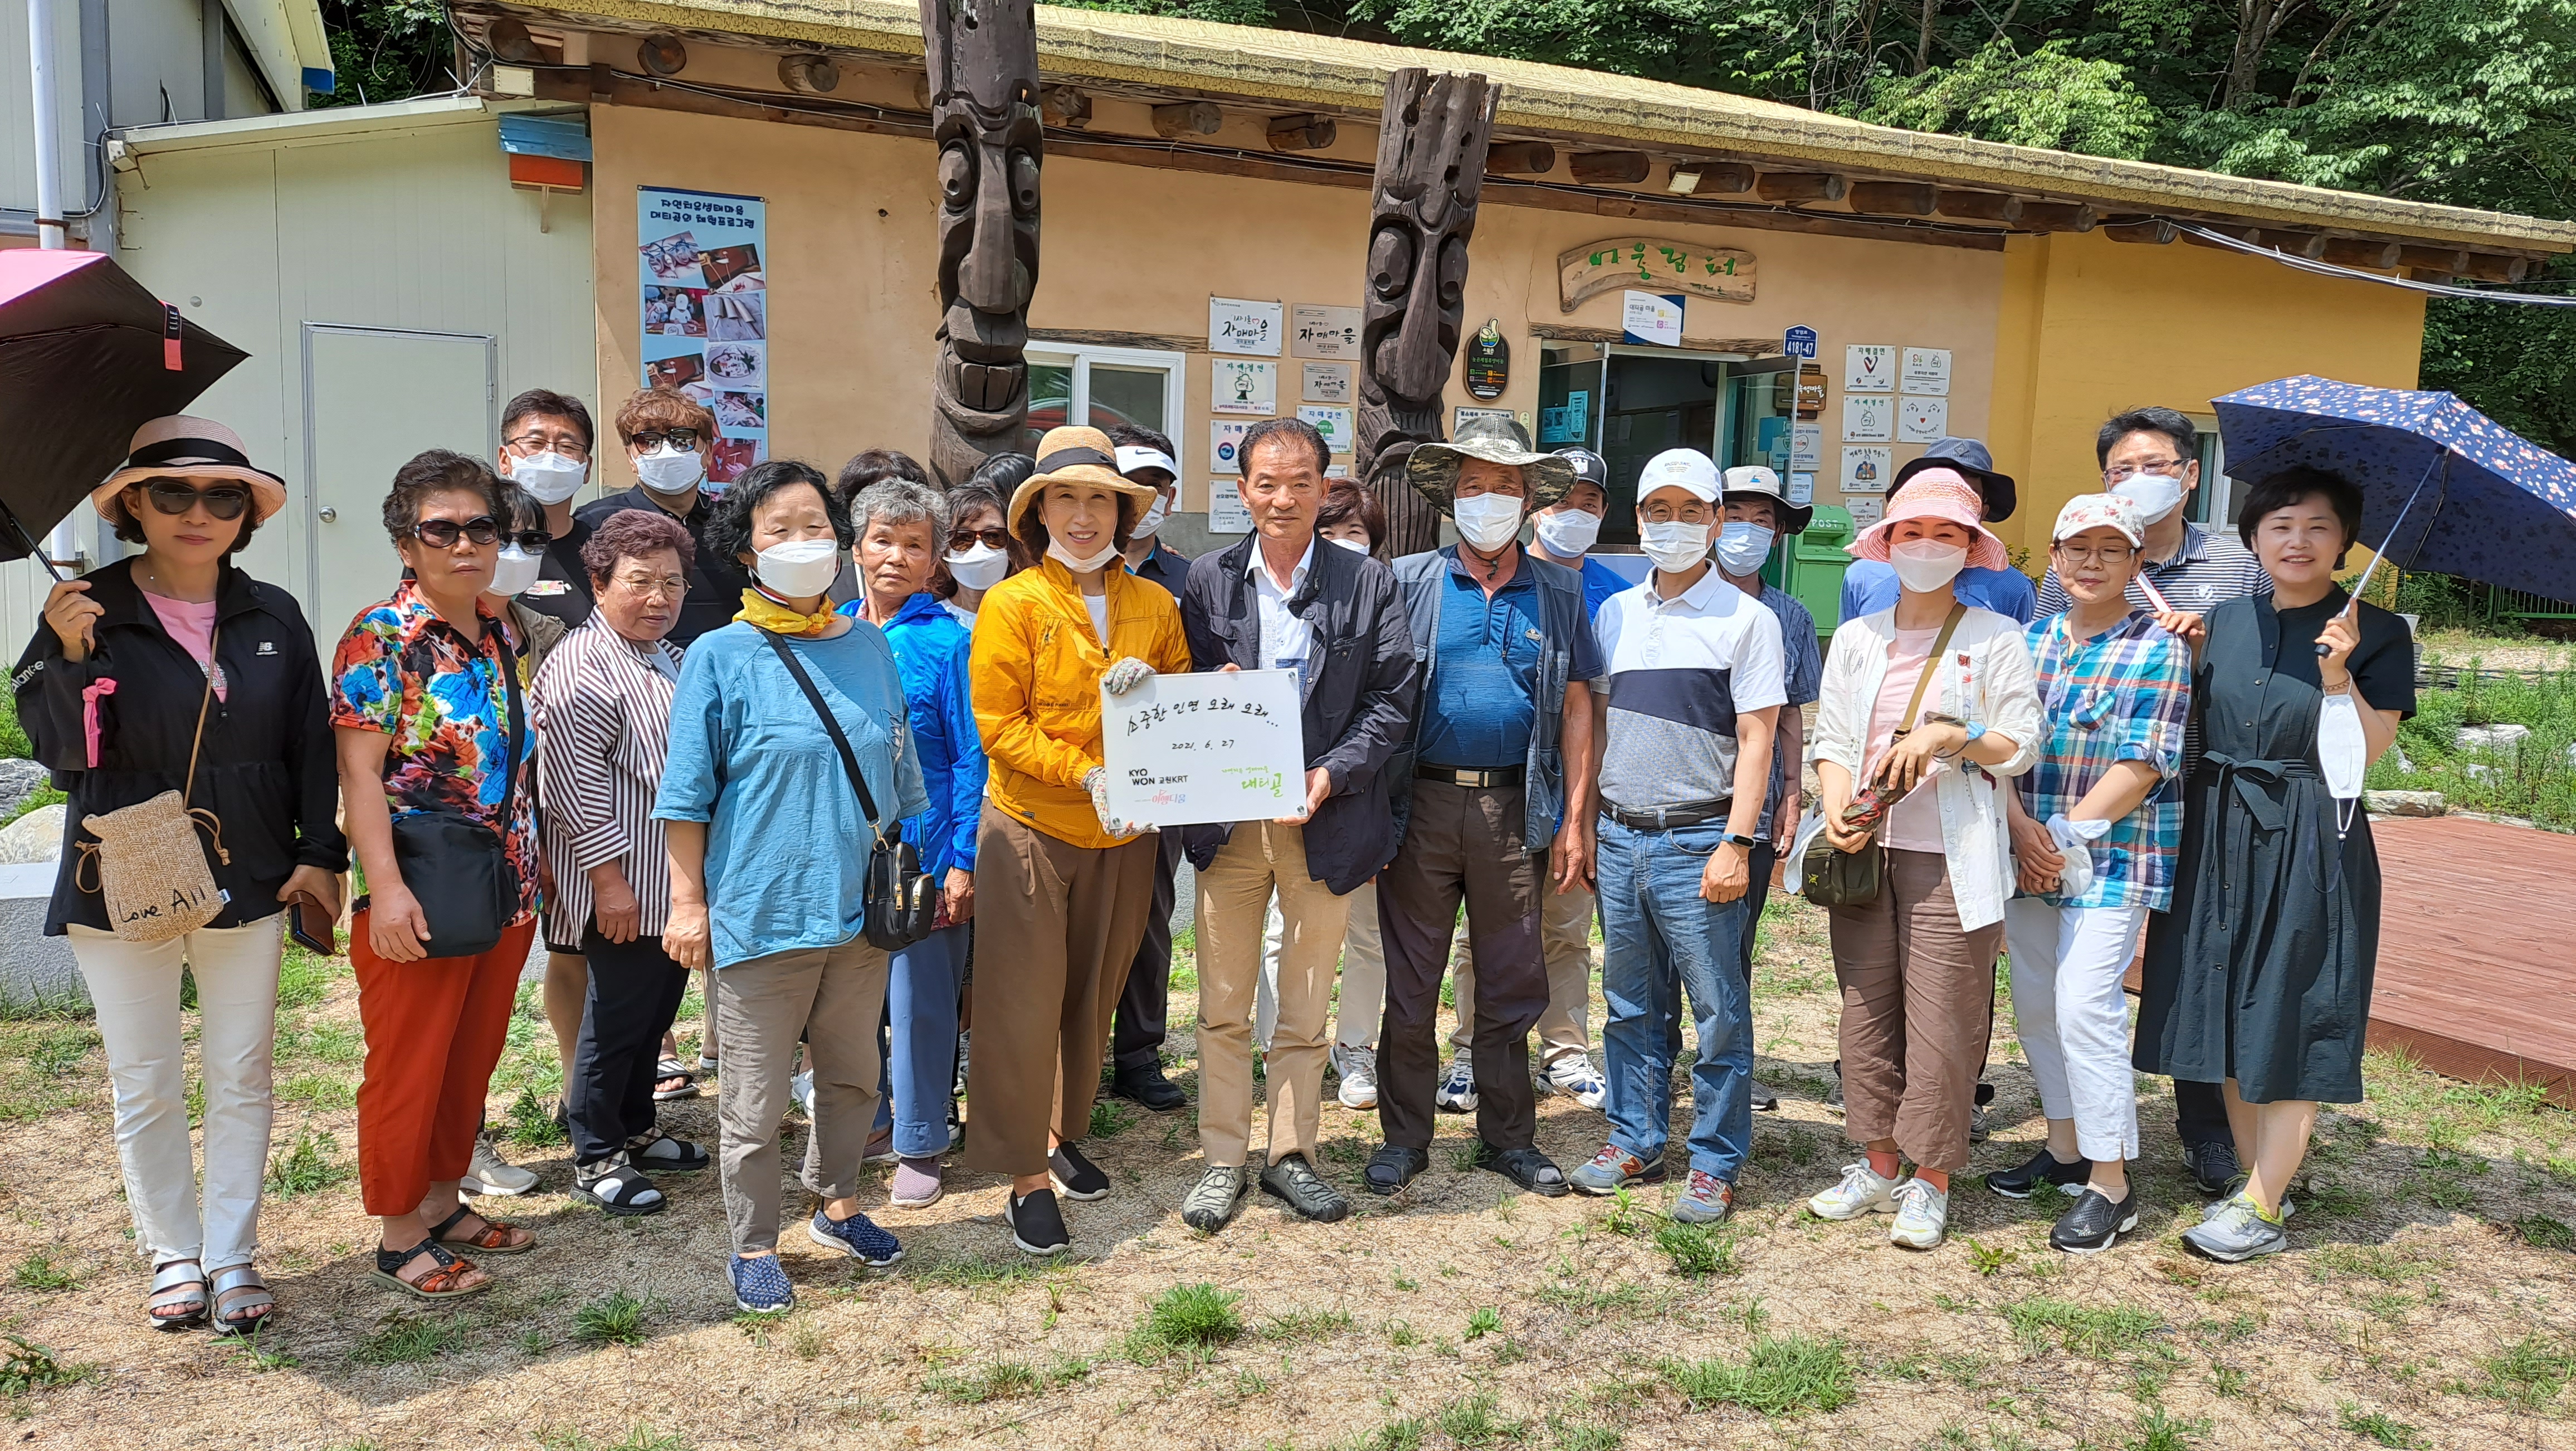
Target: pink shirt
<point x="193" y="626"/>
<point x="1915" y="823"/>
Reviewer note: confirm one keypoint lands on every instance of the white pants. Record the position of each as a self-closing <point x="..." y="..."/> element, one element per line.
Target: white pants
<point x="2073" y="1020"/>
<point x="135" y="986"/>
<point x="1363" y="975"/>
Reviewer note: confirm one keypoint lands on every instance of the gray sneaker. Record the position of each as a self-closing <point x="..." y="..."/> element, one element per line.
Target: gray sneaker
<point x="1212" y="1202"/>
<point x="2235" y="1187"/>
<point x="2237" y="1232"/>
<point x="1707" y="1201"/>
<point x="1295" y="1180"/>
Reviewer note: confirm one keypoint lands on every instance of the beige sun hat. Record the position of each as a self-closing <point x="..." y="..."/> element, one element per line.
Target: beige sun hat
<point x="1075" y="455"/>
<point x="1433" y="467"/>
<point x="181" y="447"/>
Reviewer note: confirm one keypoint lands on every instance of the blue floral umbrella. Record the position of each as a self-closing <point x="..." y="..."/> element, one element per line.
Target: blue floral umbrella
<point x="2444" y="487"/>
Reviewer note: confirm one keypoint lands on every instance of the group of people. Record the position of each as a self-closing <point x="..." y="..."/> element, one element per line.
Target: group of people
<point x="682" y="729"/>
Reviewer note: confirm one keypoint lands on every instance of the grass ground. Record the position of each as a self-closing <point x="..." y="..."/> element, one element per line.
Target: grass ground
<point x="2430" y="1300"/>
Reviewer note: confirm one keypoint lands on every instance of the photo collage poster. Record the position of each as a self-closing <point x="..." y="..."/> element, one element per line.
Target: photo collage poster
<point x="706" y="313"/>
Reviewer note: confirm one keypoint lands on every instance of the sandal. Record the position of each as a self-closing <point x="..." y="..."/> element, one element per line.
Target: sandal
<point x="672" y="1079"/>
<point x="494" y="1238"/>
<point x="179" y="1286"/>
<point x="664" y="1154"/>
<point x="243" y="1303"/>
<point x="442" y="1283"/>
<point x="618" y="1187"/>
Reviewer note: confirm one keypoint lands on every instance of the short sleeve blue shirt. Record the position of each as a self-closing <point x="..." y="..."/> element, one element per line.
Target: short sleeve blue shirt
<point x="1485" y="671"/>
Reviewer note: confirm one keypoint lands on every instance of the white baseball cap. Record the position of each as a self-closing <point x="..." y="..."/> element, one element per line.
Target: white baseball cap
<point x="1683" y="468"/>
<point x="1132" y="458"/>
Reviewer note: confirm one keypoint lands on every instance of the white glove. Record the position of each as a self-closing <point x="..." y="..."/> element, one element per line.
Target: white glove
<point x="1124" y="675"/>
<point x="1097" y="783"/>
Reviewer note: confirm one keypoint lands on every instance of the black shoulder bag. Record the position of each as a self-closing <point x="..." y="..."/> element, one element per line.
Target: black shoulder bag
<point x="458" y="869"/>
<point x="901" y="903"/>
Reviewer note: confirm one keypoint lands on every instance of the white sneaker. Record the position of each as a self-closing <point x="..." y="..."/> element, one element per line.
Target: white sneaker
<point x="802" y="1085"/>
<point x="488" y="1175"/>
<point x="1574" y="1076"/>
<point x="1357" y="1068"/>
<point x="1861" y="1192"/>
<point x="1922" y="1215"/>
<point x="1457" y="1092"/>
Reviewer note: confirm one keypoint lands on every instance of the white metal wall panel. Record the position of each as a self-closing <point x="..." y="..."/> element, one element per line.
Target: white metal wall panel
<point x="17" y="108"/>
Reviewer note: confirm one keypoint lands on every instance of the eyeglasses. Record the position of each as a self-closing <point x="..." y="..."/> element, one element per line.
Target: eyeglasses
<point x="959" y="541"/>
<point x="529" y="541"/>
<point x="175" y="497"/>
<point x="651" y="586"/>
<point x="2121" y="473"/>
<point x="1686" y="514"/>
<point x="675" y="437"/>
<point x="2111" y="554"/>
<point x="562" y="443"/>
<point x="443" y="533"/>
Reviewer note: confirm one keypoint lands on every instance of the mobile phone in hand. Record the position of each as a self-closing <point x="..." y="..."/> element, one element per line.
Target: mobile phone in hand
<point x="311" y="927"/>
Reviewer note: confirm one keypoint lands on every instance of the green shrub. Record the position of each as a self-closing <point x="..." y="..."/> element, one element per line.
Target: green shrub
<point x="1192" y="1317"/>
<point x="1783" y="1374"/>
<point x="308" y="1166"/>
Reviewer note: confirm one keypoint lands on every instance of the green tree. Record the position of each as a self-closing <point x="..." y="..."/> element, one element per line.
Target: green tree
<point x="387" y="50"/>
<point x="2050" y="97"/>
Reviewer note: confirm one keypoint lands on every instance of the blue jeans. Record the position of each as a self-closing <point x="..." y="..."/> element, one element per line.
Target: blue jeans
<point x="922" y="984"/>
<point x="1659" y="939"/>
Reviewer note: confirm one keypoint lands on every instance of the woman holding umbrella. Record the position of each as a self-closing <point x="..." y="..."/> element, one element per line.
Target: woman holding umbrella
<point x="2259" y="977"/>
<point x="174" y="671"/>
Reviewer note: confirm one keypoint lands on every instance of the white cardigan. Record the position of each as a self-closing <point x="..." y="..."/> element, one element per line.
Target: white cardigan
<point x="1984" y="676"/>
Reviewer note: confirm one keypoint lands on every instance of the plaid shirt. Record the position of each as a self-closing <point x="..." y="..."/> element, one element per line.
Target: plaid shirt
<point x="2123" y="695"/>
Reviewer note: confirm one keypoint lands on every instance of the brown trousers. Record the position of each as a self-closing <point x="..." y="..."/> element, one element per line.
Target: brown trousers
<point x="1917" y="995"/>
<point x="1234" y="899"/>
<point x="1055" y="931"/>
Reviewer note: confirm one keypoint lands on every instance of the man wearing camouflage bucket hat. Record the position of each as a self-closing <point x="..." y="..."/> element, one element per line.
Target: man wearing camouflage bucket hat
<point x="1498" y="812"/>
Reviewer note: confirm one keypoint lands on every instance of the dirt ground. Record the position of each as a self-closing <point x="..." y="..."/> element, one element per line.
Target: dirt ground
<point x="2427" y="1301"/>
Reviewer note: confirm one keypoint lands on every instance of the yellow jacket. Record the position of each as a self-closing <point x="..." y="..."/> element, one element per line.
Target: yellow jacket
<point x="1038" y="665"/>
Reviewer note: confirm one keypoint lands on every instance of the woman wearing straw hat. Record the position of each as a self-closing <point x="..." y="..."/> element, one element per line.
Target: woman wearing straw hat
<point x="1925" y="705"/>
<point x="1066" y="884"/>
<point x="174" y="671"/>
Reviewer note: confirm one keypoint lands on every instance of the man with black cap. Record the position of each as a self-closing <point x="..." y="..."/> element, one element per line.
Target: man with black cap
<point x="1500" y="807"/>
<point x="1870" y="586"/>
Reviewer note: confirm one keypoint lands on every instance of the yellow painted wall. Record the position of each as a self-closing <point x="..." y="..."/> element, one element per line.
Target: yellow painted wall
<point x="2090" y="327"/>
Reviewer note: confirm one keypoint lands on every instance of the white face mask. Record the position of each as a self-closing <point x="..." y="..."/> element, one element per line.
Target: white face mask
<point x="981" y="567"/>
<point x="1355" y="546"/>
<point x="1674" y="547"/>
<point x="1153" y="518"/>
<point x="514" y="571"/>
<point x="669" y="470"/>
<point x="1568" y="533"/>
<point x="1487" y="521"/>
<point x="551" y="477"/>
<point x="800" y="568"/>
<point x="2156" y="495"/>
<point x="1741" y="548"/>
<point x="2342" y="750"/>
<point x="1925" y="565"/>
<point x="1077" y="563"/>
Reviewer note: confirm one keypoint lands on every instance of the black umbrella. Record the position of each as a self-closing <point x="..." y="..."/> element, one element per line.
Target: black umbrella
<point x="87" y="356"/>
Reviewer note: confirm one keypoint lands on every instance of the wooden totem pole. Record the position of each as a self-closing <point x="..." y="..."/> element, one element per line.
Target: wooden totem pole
<point x="1430" y="168"/>
<point x="982" y="57"/>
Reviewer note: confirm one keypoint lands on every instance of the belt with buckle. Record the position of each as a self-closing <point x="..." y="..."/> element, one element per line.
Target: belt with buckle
<point x="1499" y="776"/>
<point x="1670" y="818"/>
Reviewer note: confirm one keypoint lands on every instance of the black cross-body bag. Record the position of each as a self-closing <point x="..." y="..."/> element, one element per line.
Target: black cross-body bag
<point x="459" y="869"/>
<point x="901" y="903"/>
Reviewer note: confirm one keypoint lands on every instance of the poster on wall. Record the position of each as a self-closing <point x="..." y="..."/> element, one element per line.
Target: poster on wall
<point x="1869" y="368"/>
<point x="1324" y="332"/>
<point x="1239" y="326"/>
<point x="706" y="312"/>
<point x="1225" y="445"/>
<point x="1802" y="489"/>
<point x="1226" y="514"/>
<point x="1922" y="420"/>
<point x="1869" y="417"/>
<point x="1807" y="446"/>
<point x="1927" y="372"/>
<point x="1651" y="318"/>
<point x="1325" y="382"/>
<point x="1867" y="470"/>
<point x="1238" y="386"/>
<point x="1335" y="424"/>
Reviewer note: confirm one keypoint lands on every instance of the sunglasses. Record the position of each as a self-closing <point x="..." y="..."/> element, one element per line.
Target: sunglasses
<point x="676" y="437"/>
<point x="529" y="541"/>
<point x="443" y="533"/>
<point x="965" y="539"/>
<point x="175" y="497"/>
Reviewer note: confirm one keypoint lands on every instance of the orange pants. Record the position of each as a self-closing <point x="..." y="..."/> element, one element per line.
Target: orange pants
<point x="435" y="1029"/>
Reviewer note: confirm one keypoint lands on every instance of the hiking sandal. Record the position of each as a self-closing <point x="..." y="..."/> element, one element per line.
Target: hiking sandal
<point x="243" y="1303"/>
<point x="672" y="1079"/>
<point x="618" y="1187"/>
<point x="494" y="1238"/>
<point x="178" y="1286"/>
<point x="664" y="1154"/>
<point x="443" y="1283"/>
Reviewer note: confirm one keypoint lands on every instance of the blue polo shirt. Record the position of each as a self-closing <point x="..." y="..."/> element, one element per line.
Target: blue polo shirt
<point x="1870" y="586"/>
<point x="1600" y="582"/>
<point x="1485" y="671"/>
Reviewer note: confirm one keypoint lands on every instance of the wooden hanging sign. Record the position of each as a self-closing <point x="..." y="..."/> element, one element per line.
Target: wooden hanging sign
<point x="1723" y="273"/>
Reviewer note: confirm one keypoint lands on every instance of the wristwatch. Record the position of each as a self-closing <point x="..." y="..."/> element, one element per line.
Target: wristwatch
<point x="1737" y="838"/>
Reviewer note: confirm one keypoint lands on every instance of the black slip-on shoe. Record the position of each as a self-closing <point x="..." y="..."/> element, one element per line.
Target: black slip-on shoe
<point x="1037" y="1225"/>
<point x="1393" y="1166"/>
<point x="2043" y="1168"/>
<point x="1308" y="1196"/>
<point x="1529" y="1168"/>
<point x="1149" y="1089"/>
<point x="1076" y="1176"/>
<point x="2094" y="1224"/>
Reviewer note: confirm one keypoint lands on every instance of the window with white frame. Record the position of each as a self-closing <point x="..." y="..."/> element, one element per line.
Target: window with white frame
<point x="2213" y="504"/>
<point x="1102" y="387"/>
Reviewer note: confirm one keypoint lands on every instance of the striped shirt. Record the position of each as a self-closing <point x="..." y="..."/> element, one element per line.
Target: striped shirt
<point x="2208" y="571"/>
<point x="603" y="713"/>
<point x="2122" y="695"/>
<point x="1680" y="670"/>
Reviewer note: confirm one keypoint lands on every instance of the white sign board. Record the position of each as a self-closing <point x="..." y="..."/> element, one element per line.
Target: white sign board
<point x="1802" y="489"/>
<point x="1463" y="413"/>
<point x="1226" y="514"/>
<point x="1238" y="386"/>
<point x="1324" y="332"/>
<point x="1922" y="420"/>
<point x="1927" y="372"/>
<point x="1647" y="317"/>
<point x="1326" y="382"/>
<point x="1335" y="424"/>
<point x="1239" y="326"/>
<point x="1215" y="746"/>
<point x="1867" y="470"/>
<point x="1869" y="368"/>
<point x="1869" y="417"/>
<point x="1225" y="445"/>
<point x="1866" y="512"/>
<point x="1806" y="445"/>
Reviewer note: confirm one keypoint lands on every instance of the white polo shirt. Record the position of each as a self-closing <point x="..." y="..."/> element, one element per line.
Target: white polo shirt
<point x="1680" y="671"/>
<point x="1286" y="640"/>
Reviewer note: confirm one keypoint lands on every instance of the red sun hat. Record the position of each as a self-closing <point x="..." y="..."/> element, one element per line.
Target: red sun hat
<point x="1935" y="494"/>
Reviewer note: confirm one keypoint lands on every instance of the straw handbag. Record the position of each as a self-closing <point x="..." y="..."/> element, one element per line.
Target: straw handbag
<point x="151" y="872"/>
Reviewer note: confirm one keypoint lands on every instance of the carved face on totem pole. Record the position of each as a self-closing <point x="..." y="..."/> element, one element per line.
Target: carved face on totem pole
<point x="982" y="57"/>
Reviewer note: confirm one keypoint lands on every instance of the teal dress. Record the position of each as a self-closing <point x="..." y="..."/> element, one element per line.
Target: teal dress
<point x="2261" y="970"/>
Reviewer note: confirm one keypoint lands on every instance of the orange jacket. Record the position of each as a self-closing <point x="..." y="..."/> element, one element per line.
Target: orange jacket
<point x="1038" y="665"/>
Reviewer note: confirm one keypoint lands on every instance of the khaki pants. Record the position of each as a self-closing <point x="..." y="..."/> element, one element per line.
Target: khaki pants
<point x="1234" y="897"/>
<point x="1565" y="937"/>
<point x="1917" y="996"/>
<point x="1055" y="931"/>
<point x="834" y="996"/>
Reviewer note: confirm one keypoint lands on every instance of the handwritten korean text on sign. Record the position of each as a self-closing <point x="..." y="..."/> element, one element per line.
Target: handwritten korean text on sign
<point x="1218" y="746"/>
